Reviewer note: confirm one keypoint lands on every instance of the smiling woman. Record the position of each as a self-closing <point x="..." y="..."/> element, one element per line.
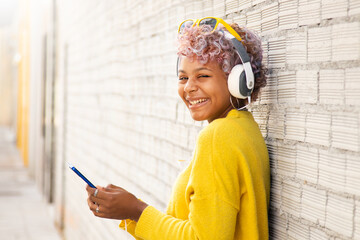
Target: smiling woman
<point x="224" y="191"/>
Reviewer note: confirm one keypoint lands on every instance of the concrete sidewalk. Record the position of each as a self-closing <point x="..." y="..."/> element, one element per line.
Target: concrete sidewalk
<point x="23" y="213"/>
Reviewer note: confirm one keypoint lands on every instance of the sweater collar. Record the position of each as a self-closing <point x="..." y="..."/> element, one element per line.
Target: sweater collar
<point x="236" y="114"/>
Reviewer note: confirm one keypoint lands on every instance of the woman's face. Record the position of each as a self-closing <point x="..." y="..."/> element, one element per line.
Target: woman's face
<point x="203" y="88"/>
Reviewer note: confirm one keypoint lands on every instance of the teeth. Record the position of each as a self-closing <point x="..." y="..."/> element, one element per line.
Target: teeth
<point x="197" y="101"/>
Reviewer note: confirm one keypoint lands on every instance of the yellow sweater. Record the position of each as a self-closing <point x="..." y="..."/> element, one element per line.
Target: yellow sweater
<point x="222" y="194"/>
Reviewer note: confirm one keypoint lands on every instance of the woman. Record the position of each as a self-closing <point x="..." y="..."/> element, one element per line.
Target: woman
<point x="224" y="191"/>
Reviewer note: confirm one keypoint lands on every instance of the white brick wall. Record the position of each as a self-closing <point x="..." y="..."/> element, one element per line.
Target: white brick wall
<point x="126" y="125"/>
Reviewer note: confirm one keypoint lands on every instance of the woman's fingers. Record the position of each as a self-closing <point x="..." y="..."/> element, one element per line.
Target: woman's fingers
<point x="101" y="197"/>
<point x="111" y="188"/>
<point x="98" y="210"/>
<point x="90" y="190"/>
<point x="91" y="204"/>
<point x="97" y="200"/>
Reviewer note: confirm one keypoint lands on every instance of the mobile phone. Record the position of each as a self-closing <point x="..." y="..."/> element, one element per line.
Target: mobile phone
<point x="80" y="175"/>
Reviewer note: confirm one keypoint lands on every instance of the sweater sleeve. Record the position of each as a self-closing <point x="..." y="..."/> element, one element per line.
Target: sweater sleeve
<point x="129" y="226"/>
<point x="155" y="225"/>
<point x="212" y="196"/>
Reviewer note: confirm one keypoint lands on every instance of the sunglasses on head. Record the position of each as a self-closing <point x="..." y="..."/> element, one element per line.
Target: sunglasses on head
<point x="213" y="22"/>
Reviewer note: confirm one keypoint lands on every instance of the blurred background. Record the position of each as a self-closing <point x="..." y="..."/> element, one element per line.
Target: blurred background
<point x="93" y="83"/>
<point x="9" y="61"/>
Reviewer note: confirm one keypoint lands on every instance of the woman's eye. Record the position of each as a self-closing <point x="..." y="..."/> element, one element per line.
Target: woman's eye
<point x="182" y="78"/>
<point x="204" y="76"/>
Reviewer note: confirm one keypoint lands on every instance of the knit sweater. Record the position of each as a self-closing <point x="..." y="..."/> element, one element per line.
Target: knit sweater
<point x="224" y="191"/>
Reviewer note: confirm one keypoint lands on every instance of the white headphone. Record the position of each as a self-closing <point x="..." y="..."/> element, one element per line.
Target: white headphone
<point x="241" y="77"/>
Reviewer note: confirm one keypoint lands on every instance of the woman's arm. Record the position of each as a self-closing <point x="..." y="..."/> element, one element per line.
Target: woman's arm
<point x="209" y="218"/>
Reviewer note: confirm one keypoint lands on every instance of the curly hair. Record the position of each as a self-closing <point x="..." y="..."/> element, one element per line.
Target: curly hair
<point x="204" y="46"/>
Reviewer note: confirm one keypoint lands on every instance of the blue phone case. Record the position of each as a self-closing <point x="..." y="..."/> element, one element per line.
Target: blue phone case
<point x="80" y="175"/>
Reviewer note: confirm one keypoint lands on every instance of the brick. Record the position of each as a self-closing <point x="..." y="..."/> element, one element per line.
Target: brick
<point x="286" y="87"/>
<point x="319" y="44"/>
<point x="261" y="117"/>
<point x="219" y="8"/>
<point x="276" y="124"/>
<point x="255" y="2"/>
<point x="288" y="16"/>
<point x="296" y="48"/>
<point x="149" y="165"/>
<point x="309" y="12"/>
<point x="352" y="175"/>
<point x="265" y="47"/>
<point x="354" y="7"/>
<point x="332" y="170"/>
<point x="344" y="134"/>
<point x="307" y="160"/>
<point x="339" y="214"/>
<point x="193" y="133"/>
<point x="254" y="20"/>
<point x="313" y="205"/>
<point x="272" y="149"/>
<point x="244" y="4"/>
<point x="333" y="9"/>
<point x="231" y="6"/>
<point x="269" y="17"/>
<point x="318" y="128"/>
<point x="306" y="86"/>
<point x="167" y="149"/>
<point x="269" y="92"/>
<point x="188" y="119"/>
<point x="352" y="86"/>
<point x="357" y="220"/>
<point x="277" y="52"/>
<point x="350" y="50"/>
<point x="317" y="234"/>
<point x="176" y="13"/>
<point x="180" y="112"/>
<point x="291" y="198"/>
<point x="295" y="125"/>
<point x="278" y="225"/>
<point x="179" y="135"/>
<point x="331" y="86"/>
<point x="240" y="20"/>
<point x="191" y="10"/>
<point x="297" y="230"/>
<point x="275" y="193"/>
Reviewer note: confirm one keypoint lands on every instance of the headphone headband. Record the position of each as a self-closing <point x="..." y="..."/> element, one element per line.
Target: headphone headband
<point x="245" y="59"/>
<point x="241" y="50"/>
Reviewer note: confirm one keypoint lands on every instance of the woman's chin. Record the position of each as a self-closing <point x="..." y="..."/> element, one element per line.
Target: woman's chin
<point x="197" y="117"/>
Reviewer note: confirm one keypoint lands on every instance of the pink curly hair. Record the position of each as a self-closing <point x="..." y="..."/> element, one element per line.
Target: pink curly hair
<point x="201" y="44"/>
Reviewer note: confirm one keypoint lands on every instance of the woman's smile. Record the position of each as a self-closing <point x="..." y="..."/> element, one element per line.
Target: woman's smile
<point x="197" y="103"/>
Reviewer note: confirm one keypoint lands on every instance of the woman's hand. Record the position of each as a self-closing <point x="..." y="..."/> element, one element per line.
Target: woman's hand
<point x="115" y="203"/>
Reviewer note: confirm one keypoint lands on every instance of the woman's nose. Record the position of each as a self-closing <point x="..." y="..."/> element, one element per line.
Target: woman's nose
<point x="190" y="85"/>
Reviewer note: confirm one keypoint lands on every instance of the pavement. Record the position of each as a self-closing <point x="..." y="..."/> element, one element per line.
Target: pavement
<point x="24" y="215"/>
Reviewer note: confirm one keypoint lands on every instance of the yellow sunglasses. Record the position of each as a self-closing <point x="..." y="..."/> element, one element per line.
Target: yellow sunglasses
<point x="213" y="22"/>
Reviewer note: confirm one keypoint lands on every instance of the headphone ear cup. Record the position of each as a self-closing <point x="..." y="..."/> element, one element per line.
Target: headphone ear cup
<point x="237" y="82"/>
